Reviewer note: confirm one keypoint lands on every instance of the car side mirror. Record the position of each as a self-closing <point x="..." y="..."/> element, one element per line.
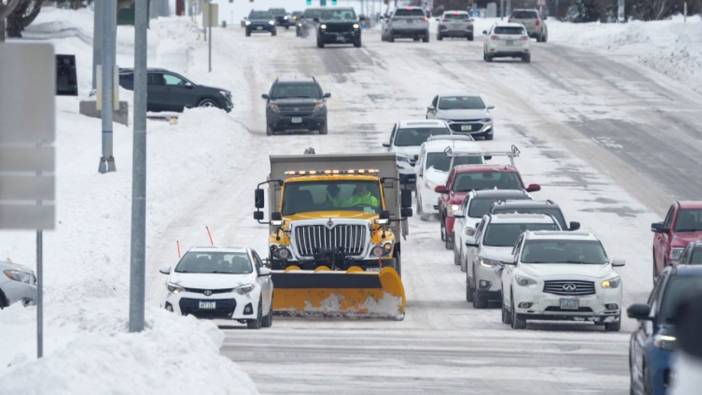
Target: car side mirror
<point x="658" y="227"/>
<point x="188" y="85"/>
<point x="484" y="32"/>
<point x="386" y="145"/>
<point x="264" y="271"/>
<point x="265" y="96"/>
<point x="574" y="225"/>
<point x="406" y="198"/>
<point x="487" y="157"/>
<point x="533" y="188"/>
<point x="164" y="270"/>
<point x="471" y="243"/>
<point x="639" y="311"/>
<point x="491" y="107"/>
<point x="430" y="109"/>
<point x="259" y="198"/>
<point x="459" y="216"/>
<point x="508" y="263"/>
<point x="441" y="189"/>
<point x="327" y="95"/>
<point x="618" y="263"/>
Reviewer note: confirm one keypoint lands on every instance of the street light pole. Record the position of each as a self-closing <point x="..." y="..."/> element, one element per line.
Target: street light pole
<point x="109" y="21"/>
<point x="138" y="243"/>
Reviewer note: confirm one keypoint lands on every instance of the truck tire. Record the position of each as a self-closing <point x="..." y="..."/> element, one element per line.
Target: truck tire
<point x="526" y="58"/>
<point x="470" y="37"/>
<point x="248" y="33"/>
<point x="398" y="261"/>
<point x="320" y="43"/>
<point x="357" y="43"/>
<point x="391" y="38"/>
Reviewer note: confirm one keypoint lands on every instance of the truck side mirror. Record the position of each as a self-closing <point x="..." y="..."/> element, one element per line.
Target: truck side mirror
<point x="385" y="214"/>
<point x="259" y="199"/>
<point x="258" y="215"/>
<point x="276" y="216"/>
<point x="406" y="212"/>
<point x="406" y="199"/>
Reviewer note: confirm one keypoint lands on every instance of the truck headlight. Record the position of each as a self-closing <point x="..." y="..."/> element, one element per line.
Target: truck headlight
<point x="611" y="282"/>
<point x="282" y="253"/>
<point x="274" y="107"/>
<point x="524" y="281"/>
<point x="174" y="288"/>
<point x="675" y="253"/>
<point x="244" y="289"/>
<point x="665" y="342"/>
<point x="453" y="209"/>
<point x="382" y="250"/>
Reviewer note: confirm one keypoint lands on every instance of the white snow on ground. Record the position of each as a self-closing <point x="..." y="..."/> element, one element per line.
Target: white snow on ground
<point x="671" y="47"/>
<point x="87" y="347"/>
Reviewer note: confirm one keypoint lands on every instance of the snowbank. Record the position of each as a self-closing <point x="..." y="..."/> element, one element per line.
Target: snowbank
<point x="87" y="346"/>
<point x="670" y="47"/>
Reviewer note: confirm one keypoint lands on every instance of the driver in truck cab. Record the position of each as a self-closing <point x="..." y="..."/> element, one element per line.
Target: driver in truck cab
<point x="361" y="197"/>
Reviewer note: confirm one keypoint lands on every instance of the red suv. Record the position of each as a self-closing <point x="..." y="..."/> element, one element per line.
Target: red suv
<point x="682" y="225"/>
<point x="465" y="178"/>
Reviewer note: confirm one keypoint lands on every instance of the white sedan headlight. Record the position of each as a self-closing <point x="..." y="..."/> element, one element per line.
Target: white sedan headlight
<point x="174" y="288"/>
<point x="244" y="289"/>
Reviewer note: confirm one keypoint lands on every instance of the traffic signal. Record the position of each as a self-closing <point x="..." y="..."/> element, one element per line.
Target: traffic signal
<point x="308" y="2"/>
<point x="333" y="2"/>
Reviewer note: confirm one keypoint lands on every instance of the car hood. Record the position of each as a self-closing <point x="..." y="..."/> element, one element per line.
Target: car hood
<point x="462" y="114"/>
<point x="211" y="280"/>
<point x="681" y="239"/>
<point x="212" y="88"/>
<point x="562" y="271"/>
<point x="410" y="151"/>
<point x="501" y="254"/>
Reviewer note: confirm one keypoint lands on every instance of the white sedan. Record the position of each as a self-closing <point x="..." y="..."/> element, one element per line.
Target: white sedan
<point x="226" y="283"/>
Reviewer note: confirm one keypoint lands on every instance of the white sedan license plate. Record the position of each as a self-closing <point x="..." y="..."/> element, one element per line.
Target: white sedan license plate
<point x="466" y="128"/>
<point x="206" y="305"/>
<point x="296" y="120"/>
<point x="570" y="304"/>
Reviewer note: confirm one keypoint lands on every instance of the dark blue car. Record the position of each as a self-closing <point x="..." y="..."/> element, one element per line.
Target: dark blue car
<point x="653" y="343"/>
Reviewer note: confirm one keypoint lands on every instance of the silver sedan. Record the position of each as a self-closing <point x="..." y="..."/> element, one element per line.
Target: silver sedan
<point x="17" y="283"/>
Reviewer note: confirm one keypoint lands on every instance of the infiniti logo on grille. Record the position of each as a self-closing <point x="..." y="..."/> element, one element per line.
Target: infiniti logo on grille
<point x="569" y="287"/>
<point x="208" y="292"/>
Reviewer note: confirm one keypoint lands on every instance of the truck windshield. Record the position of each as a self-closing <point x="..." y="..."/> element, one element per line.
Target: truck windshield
<point x="442" y="162"/>
<point x="339" y="14"/>
<point x="346" y="195"/>
<point x="476" y="181"/>
<point x="215" y="262"/>
<point x="586" y="252"/>
<point x="409" y="137"/>
<point x="505" y="235"/>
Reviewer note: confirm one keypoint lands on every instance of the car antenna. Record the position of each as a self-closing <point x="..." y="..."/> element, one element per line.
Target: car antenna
<point x="209" y="234"/>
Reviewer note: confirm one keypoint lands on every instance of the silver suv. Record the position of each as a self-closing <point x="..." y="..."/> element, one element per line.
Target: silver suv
<point x="455" y="24"/>
<point x="532" y="21"/>
<point x="406" y="22"/>
<point x="17" y="284"/>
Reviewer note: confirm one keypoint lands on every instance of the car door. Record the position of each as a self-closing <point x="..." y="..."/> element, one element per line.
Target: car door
<point x="661" y="240"/>
<point x="157" y="93"/>
<point x="181" y="93"/>
<point x="266" y="284"/>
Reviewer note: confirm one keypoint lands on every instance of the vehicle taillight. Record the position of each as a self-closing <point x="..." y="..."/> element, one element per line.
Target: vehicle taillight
<point x="537" y="22"/>
<point x="494" y="37"/>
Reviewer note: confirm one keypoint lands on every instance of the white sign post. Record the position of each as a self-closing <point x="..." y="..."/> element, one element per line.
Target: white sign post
<point x="27" y="133"/>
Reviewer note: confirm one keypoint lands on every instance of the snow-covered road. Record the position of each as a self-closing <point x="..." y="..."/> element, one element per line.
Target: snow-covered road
<point x="608" y="141"/>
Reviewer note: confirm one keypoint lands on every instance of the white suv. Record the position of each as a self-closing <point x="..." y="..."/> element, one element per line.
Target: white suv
<point x="506" y="40"/>
<point x="492" y="244"/>
<point x="406" y="22"/>
<point x="437" y="156"/>
<point x="465" y="114"/>
<point x="406" y="140"/>
<point x="561" y="276"/>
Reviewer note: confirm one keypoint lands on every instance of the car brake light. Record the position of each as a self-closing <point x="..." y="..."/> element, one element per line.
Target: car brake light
<point x="537" y="22"/>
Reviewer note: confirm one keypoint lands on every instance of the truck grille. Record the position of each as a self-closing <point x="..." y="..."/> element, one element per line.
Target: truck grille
<point x="339" y="27"/>
<point x="569" y="287"/>
<point x="313" y="239"/>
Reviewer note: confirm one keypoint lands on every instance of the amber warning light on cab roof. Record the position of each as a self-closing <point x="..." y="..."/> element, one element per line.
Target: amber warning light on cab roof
<point x="331" y="172"/>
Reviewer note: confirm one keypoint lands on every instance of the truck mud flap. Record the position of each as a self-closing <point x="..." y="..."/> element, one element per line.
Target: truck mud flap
<point x="350" y="293"/>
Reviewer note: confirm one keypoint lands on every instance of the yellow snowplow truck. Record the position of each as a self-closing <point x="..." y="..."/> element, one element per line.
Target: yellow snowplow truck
<point x="335" y="229"/>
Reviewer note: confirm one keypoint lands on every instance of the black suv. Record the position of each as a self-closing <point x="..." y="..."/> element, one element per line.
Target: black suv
<point x="169" y="91"/>
<point x="338" y="26"/>
<point x="281" y="17"/>
<point x="534" y="207"/>
<point x="260" y="22"/>
<point x="296" y="105"/>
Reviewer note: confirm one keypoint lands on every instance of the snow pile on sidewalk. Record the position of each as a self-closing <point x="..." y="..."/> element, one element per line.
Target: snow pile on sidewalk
<point x="86" y="258"/>
<point x="175" y="355"/>
<point x="670" y="47"/>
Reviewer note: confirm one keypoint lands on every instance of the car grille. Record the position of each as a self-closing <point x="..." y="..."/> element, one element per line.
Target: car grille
<point x="569" y="287"/>
<point x="313" y="239"/>
<point x="298" y="109"/>
<point x="210" y="291"/>
<point x="456" y="126"/>
<point x="224" y="308"/>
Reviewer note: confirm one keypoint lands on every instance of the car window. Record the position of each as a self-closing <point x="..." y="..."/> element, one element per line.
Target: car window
<point x="408" y="137"/>
<point x="466" y="160"/>
<point x="689" y="220"/>
<point x="487" y="180"/>
<point x="677" y="289"/>
<point x="403" y="12"/>
<point x="172" y="80"/>
<point x="482" y="205"/>
<point x="524" y="15"/>
<point x="590" y="252"/>
<point x="555" y="212"/>
<point x="312" y="13"/>
<point x="695" y="256"/>
<point x="505" y="235"/>
<point x="461" y="103"/>
<point x="156" y="79"/>
<point x="510" y="30"/>
<point x="288" y="90"/>
<point x="455" y="16"/>
<point x="215" y="262"/>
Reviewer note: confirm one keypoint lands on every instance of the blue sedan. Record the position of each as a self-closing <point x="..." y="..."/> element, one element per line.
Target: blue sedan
<point x="653" y="343"/>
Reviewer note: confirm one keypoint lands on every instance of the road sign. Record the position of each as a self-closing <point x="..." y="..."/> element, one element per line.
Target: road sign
<point x="27" y="129"/>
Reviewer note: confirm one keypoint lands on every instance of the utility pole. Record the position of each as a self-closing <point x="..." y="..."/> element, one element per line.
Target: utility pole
<point x="209" y="33"/>
<point x="5" y="11"/>
<point x="97" y="37"/>
<point x="138" y="242"/>
<point x="109" y="22"/>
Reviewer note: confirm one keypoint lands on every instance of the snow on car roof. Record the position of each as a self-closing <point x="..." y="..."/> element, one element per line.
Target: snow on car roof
<point x="219" y="249"/>
<point x="514" y="218"/>
<point x="457" y="146"/>
<point x="422" y="123"/>
<point x="508" y="24"/>
<point x="526" y="203"/>
<point x="559" y="235"/>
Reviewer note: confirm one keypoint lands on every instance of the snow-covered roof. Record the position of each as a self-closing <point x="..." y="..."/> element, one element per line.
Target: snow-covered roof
<point x="422" y="123"/>
<point x="513" y="218"/>
<point x="559" y="235"/>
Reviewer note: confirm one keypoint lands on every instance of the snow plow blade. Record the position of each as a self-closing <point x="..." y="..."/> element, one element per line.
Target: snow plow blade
<point x="351" y="293"/>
